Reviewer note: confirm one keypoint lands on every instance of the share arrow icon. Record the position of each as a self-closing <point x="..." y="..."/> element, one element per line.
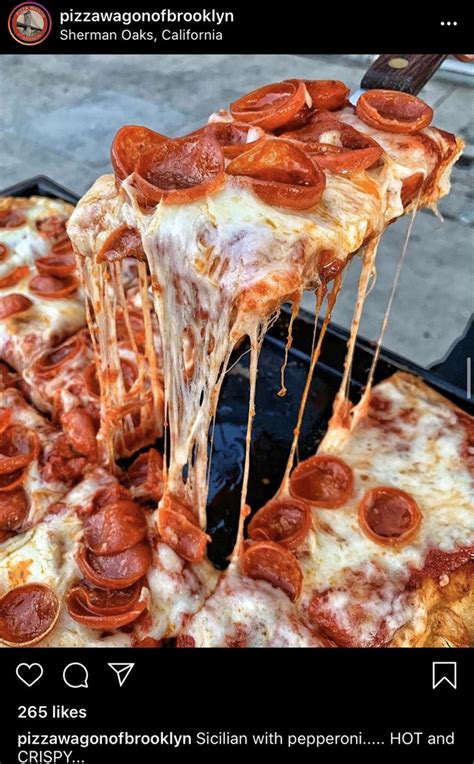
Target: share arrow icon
<point x="122" y="670"/>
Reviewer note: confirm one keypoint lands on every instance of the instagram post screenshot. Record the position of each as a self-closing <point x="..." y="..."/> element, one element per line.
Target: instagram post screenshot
<point x="236" y="383"/>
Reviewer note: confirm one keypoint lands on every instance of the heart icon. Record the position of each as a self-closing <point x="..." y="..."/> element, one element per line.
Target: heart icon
<point x="29" y="673"/>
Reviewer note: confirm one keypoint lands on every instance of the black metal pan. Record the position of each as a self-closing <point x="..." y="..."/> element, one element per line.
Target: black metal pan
<point x="276" y="417"/>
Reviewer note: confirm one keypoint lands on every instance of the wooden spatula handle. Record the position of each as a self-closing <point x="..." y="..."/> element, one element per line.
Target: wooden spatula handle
<point x="400" y="71"/>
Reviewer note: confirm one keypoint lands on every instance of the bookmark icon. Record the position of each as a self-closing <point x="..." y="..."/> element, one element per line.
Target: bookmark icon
<point x="122" y="670"/>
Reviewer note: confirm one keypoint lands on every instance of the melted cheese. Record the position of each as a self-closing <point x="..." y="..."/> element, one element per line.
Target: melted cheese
<point x="417" y="448"/>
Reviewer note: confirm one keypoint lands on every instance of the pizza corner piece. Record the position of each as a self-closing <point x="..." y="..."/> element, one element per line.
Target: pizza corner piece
<point x="163" y="267"/>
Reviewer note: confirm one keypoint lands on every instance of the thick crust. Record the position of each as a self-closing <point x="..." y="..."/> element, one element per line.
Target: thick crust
<point x="445" y="613"/>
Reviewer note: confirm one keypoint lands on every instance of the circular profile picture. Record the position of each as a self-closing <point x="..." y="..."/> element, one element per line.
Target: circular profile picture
<point x="29" y="23"/>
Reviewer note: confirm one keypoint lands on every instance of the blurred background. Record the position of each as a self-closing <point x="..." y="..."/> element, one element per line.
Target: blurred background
<point x="58" y="116"/>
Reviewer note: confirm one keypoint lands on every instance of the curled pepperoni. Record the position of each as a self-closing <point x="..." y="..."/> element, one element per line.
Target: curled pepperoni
<point x="53" y="286"/>
<point x="115" y="571"/>
<point x="91" y="381"/>
<point x="181" y="171"/>
<point x="18" y="447"/>
<point x="271" y="106"/>
<point x="53" y="227"/>
<point x="4" y="252"/>
<point x="11" y="218"/>
<point x="11" y="480"/>
<point x="61" y="264"/>
<point x="81" y="431"/>
<point x="393" y="111"/>
<point x="146" y="476"/>
<point x="234" y="137"/>
<point x="389" y="516"/>
<point x="124" y="241"/>
<point x="329" y="95"/>
<point x="13" y="509"/>
<point x="49" y="364"/>
<point x="105" y="609"/>
<point x="62" y="247"/>
<point x="5" y="413"/>
<point x="176" y="524"/>
<point x="27" y="614"/>
<point x="116" y="527"/>
<point x="337" y="147"/>
<point x="281" y="174"/>
<point x="324" y="481"/>
<point x="287" y="521"/>
<point x="13" y="303"/>
<point x="16" y="275"/>
<point x="269" y="561"/>
<point x="129" y="144"/>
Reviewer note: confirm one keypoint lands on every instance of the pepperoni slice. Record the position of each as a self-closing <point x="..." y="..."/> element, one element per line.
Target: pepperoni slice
<point x="234" y="137"/>
<point x="11" y="480"/>
<point x="13" y="303"/>
<point x="146" y="476"/>
<point x="324" y="481"/>
<point x="61" y="264"/>
<point x="16" y="275"/>
<point x="176" y="524"/>
<point x="105" y="609"/>
<point x="53" y="227"/>
<point x="4" y="252"/>
<point x="13" y="509"/>
<point x="389" y="515"/>
<point x="116" y="527"/>
<point x="329" y="95"/>
<point x="269" y="561"/>
<point x="337" y="147"/>
<point x="115" y="571"/>
<point x="91" y="381"/>
<point x="393" y="111"/>
<point x="5" y="414"/>
<point x="62" y="247"/>
<point x="125" y="241"/>
<point x="271" y="106"/>
<point x="281" y="174"/>
<point x="12" y="218"/>
<point x="27" y="615"/>
<point x="18" y="447"/>
<point x="53" y="286"/>
<point x="181" y="171"/>
<point x="287" y="521"/>
<point x="81" y="432"/>
<point x="129" y="144"/>
<point x="49" y="364"/>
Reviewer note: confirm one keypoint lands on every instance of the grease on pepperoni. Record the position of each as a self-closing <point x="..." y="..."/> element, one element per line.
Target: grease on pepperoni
<point x="178" y="529"/>
<point x="129" y="143"/>
<point x="234" y="137"/>
<point x="329" y="95"/>
<point x="27" y="614"/>
<point x="12" y="218"/>
<point x="323" y="480"/>
<point x="54" y="286"/>
<point x="271" y="562"/>
<point x="389" y="515"/>
<point x="4" y="251"/>
<point x="12" y="480"/>
<point x="115" y="527"/>
<point x="53" y="227"/>
<point x="272" y="106"/>
<point x="281" y="174"/>
<point x="115" y="571"/>
<point x="393" y="111"/>
<point x="146" y="476"/>
<point x="13" y="509"/>
<point x="18" y="447"/>
<point x="12" y="304"/>
<point x="49" y="364"/>
<point x="105" y="608"/>
<point x="287" y="521"/>
<point x="181" y="171"/>
<point x="81" y="430"/>
<point x="60" y="264"/>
